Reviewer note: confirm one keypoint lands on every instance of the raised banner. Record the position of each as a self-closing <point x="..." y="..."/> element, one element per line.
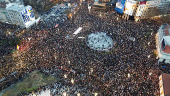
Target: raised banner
<point x="141" y="8"/>
<point x="129" y="7"/>
<point x="25" y="16"/>
<point x="120" y="6"/>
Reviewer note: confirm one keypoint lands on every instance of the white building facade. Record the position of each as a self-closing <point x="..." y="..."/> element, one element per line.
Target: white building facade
<point x="17" y="14"/>
<point x="163" y="43"/>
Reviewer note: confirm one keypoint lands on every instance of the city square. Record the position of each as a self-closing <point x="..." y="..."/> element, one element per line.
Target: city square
<point x="110" y="56"/>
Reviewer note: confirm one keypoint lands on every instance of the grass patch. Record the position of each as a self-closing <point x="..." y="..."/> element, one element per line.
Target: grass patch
<point x="11" y="42"/>
<point x="30" y="83"/>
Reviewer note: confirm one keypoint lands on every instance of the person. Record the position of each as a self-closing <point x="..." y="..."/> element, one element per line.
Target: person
<point x="110" y="71"/>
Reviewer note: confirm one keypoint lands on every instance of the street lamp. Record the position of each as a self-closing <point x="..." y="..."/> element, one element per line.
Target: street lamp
<point x="17" y="47"/>
<point x="128" y="75"/>
<point x="72" y="81"/>
<point x="148" y="43"/>
<point x="91" y="70"/>
<point x="150" y="73"/>
<point x="95" y="94"/>
<point x="29" y="38"/>
<point x="64" y="94"/>
<point x="78" y="94"/>
<point x="136" y="20"/>
<point x="68" y="62"/>
<point x="65" y="76"/>
<point x="148" y="56"/>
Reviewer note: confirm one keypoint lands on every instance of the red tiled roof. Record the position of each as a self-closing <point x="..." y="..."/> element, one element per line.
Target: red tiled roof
<point x="167" y="49"/>
<point x="166" y="83"/>
<point x="166" y="30"/>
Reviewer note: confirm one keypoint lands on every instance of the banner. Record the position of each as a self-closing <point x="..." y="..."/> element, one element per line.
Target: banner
<point x="25" y="16"/>
<point x="120" y="6"/>
<point x="30" y="11"/>
<point x="141" y="8"/>
<point x="129" y="7"/>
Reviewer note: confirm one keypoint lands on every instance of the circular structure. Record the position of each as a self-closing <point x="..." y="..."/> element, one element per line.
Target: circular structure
<point x="99" y="41"/>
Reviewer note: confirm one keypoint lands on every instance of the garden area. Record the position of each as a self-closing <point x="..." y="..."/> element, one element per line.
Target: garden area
<point x="30" y="83"/>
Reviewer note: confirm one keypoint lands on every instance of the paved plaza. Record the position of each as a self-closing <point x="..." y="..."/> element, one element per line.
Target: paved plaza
<point x="99" y="41"/>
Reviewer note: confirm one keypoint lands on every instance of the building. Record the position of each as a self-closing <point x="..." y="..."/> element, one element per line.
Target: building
<point x="17" y="14"/>
<point x="21" y="15"/>
<point x="104" y="1"/>
<point x="164" y="7"/>
<point x="163" y="43"/>
<point x="120" y="6"/>
<point x="13" y="1"/>
<point x="147" y="9"/>
<point x="4" y="16"/>
<point x="164" y="84"/>
<point x="126" y="8"/>
<point x="99" y="6"/>
<point x="142" y="9"/>
<point x="130" y="9"/>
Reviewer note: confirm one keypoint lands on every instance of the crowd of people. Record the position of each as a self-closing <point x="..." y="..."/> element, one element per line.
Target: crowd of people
<point x="131" y="68"/>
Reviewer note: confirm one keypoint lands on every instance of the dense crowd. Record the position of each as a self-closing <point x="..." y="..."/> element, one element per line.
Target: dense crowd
<point x="131" y="68"/>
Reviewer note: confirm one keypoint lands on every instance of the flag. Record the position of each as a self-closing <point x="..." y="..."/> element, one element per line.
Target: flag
<point x="17" y="47"/>
<point x="56" y="25"/>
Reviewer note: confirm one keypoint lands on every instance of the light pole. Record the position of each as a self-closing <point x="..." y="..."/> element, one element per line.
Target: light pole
<point x="72" y="81"/>
<point x="78" y="94"/>
<point x="64" y="94"/>
<point x="65" y="76"/>
<point x="95" y="94"/>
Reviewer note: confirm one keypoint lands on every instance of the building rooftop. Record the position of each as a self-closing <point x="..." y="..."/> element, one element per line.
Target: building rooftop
<point x="166" y="30"/>
<point x="100" y="4"/>
<point x="167" y="49"/>
<point x="166" y="83"/>
<point x="16" y="7"/>
<point x="165" y="44"/>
